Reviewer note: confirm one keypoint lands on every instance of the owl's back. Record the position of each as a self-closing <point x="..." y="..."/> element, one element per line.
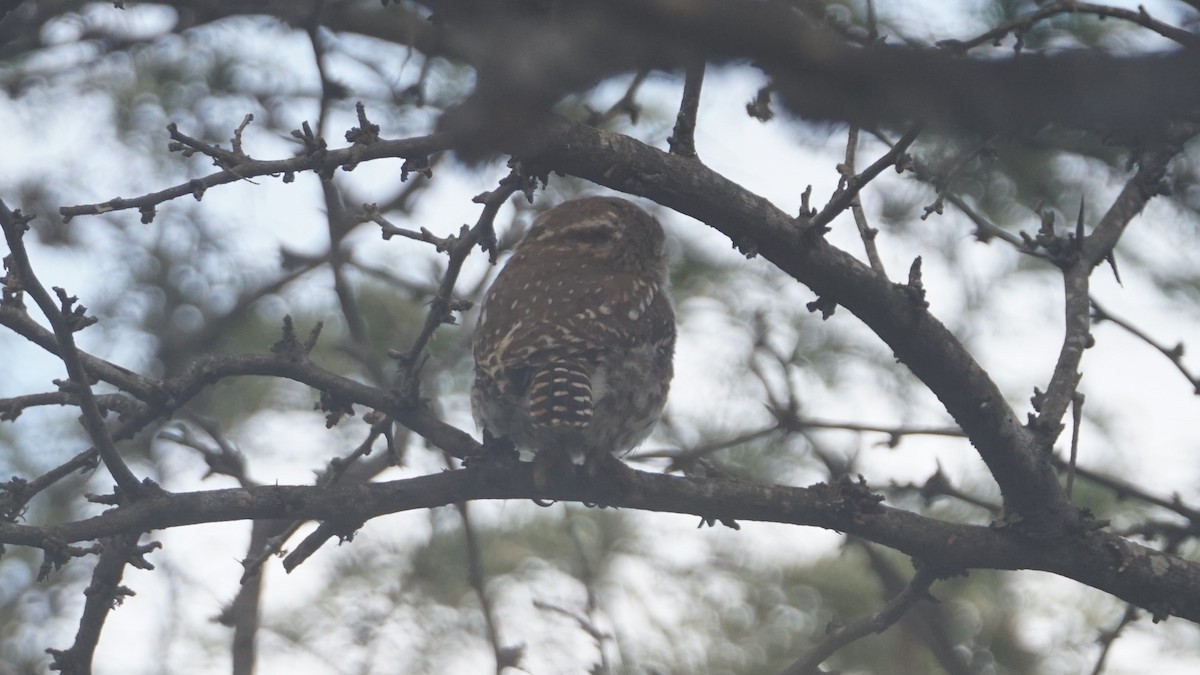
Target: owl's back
<point x="575" y="338"/>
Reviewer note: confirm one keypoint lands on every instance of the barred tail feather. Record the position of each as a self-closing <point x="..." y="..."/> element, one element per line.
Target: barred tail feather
<point x="560" y="395"/>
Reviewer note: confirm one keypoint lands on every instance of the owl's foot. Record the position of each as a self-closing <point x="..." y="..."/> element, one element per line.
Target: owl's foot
<point x="549" y="467"/>
<point x="497" y="451"/>
<point x="610" y="474"/>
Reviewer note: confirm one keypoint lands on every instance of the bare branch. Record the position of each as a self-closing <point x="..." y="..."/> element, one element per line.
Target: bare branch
<point x="865" y="231"/>
<point x="1174" y="354"/>
<point x="1013" y="455"/>
<point x="66" y="318"/>
<point x="683" y="139"/>
<point x="1023" y="24"/>
<point x="103" y="595"/>
<point x="1083" y="253"/>
<point x="321" y="162"/>
<point x="1160" y="582"/>
<point x="848" y="192"/>
<point x="505" y="656"/>
<point x="1109" y="637"/>
<point x="916" y="591"/>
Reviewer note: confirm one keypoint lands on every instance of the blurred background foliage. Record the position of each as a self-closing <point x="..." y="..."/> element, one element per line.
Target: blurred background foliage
<point x="89" y="91"/>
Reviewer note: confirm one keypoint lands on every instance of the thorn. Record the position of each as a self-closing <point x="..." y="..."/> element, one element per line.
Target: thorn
<point x="1111" y="258"/>
<point x="1079" y="225"/>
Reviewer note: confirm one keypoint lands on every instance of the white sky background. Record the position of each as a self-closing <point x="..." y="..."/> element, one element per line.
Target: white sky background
<point x="1151" y="439"/>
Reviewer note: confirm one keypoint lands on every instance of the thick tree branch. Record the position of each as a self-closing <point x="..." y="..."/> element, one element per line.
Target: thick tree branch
<point x="1013" y="454"/>
<point x="526" y="62"/>
<point x="1164" y="584"/>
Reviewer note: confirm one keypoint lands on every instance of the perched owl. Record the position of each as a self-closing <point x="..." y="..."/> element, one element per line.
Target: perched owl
<point x="575" y="338"/>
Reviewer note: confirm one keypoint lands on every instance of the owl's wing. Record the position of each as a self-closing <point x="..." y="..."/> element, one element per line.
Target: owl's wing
<point x="554" y="314"/>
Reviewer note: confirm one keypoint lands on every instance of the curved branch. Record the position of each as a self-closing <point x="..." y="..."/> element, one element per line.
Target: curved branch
<point x="1026" y="23"/>
<point x="1013" y="454"/>
<point x="1165" y="584"/>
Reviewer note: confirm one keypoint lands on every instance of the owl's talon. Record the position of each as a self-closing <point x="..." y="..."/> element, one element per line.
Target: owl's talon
<point x="544" y="503"/>
<point x="498" y="445"/>
<point x="607" y="466"/>
<point x="610" y="474"/>
<point x="496" y="451"/>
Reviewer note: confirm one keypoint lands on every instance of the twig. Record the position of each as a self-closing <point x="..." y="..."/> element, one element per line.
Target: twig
<point x="11" y="408"/>
<point x="1135" y="194"/>
<point x="845" y="194"/>
<point x="103" y="595"/>
<point x="587" y="574"/>
<point x="865" y="231"/>
<point x="985" y="229"/>
<point x="938" y="485"/>
<point x="321" y="162"/>
<point x="916" y="591"/>
<point x="893" y="431"/>
<point x="1024" y="24"/>
<point x="1124" y="489"/>
<point x="1087" y="252"/>
<point x="372" y="212"/>
<point x="682" y="456"/>
<point x="1172" y="533"/>
<point x="626" y="104"/>
<point x="328" y="87"/>
<point x="930" y="621"/>
<point x="65" y="318"/>
<point x="1052" y="404"/>
<point x="1174" y="354"/>
<point x="243" y="613"/>
<point x="338" y="467"/>
<point x="1108" y="637"/>
<point x="505" y="656"/>
<point x="683" y="139"/>
<point x="943" y="179"/>
<point x="142" y="388"/>
<point x="16" y="494"/>
<point x="482" y="232"/>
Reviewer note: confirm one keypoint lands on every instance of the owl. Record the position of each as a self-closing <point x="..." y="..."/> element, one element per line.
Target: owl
<point x="576" y="336"/>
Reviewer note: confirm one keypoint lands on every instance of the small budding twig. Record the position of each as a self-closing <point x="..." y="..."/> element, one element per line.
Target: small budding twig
<point x="865" y="231"/>
<point x="846" y="193"/>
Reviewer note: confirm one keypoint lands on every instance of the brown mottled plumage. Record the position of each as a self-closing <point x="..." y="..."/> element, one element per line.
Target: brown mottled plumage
<point x="575" y="338"/>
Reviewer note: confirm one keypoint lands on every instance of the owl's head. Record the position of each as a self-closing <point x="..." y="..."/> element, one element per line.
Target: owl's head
<point x="607" y="229"/>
